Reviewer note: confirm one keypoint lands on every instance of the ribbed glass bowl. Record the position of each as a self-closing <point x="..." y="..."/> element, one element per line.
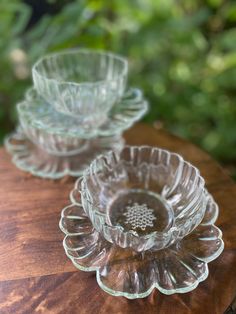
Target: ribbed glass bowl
<point x="122" y="116"/>
<point x="81" y="82"/>
<point x="55" y="144"/>
<point x="142" y="197"/>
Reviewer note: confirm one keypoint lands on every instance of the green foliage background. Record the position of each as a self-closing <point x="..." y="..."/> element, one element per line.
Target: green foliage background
<point x="181" y="53"/>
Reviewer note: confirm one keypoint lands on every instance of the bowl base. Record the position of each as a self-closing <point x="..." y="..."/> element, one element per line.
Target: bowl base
<point x="141" y="211"/>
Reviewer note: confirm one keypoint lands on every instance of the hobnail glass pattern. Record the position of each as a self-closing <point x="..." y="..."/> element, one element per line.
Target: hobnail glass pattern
<point x="81" y="82"/>
<point x="162" y="182"/>
<point x="122" y="116"/>
<point x="31" y="158"/>
<point x="178" y="268"/>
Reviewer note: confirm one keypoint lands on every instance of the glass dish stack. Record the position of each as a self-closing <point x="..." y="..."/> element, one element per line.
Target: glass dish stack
<point x="141" y="217"/>
<point x="78" y="108"/>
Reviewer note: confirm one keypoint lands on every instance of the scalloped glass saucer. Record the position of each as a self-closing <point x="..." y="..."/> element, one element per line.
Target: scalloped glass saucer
<point x="31" y="158"/>
<point x="41" y="115"/>
<point x="178" y="268"/>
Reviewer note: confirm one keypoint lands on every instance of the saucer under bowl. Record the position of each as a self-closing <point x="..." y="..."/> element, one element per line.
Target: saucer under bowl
<point x="178" y="268"/>
<point x="129" y="109"/>
<point x="32" y="158"/>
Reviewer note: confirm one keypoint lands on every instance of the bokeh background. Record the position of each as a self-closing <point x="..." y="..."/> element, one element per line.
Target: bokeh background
<point x="181" y="53"/>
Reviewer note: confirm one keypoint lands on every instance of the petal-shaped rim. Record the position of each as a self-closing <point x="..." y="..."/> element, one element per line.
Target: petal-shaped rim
<point x="153" y="286"/>
<point x="131" y="108"/>
<point x="212" y="211"/>
<point x="15" y="141"/>
<point x="20" y="148"/>
<point x="208" y="225"/>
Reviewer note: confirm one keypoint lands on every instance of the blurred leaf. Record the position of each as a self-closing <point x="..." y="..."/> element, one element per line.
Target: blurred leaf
<point x="181" y="53"/>
<point x="227" y="40"/>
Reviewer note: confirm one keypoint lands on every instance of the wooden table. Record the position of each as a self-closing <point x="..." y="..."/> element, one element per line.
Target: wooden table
<point x="37" y="277"/>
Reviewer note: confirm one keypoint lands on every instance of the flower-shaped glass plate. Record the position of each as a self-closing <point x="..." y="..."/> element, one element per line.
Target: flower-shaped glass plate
<point x="31" y="158"/>
<point x="178" y="268"/>
<point x="131" y="108"/>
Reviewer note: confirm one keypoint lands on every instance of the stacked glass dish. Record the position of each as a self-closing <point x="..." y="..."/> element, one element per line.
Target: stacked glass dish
<point x="78" y="108"/>
<point x="141" y="217"/>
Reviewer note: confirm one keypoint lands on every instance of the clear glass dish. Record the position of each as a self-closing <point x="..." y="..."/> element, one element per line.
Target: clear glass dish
<point x="31" y="158"/>
<point x="122" y="116"/>
<point x="143" y="197"/>
<point x="81" y="82"/>
<point x="178" y="268"/>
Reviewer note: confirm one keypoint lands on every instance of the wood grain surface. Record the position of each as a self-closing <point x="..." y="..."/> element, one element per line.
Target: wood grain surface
<point x="37" y="277"/>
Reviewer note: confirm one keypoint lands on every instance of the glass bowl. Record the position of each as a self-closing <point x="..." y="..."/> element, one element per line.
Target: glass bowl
<point x="81" y="82"/>
<point x="55" y="144"/>
<point x="178" y="268"/>
<point x="122" y="116"/>
<point x="143" y="197"/>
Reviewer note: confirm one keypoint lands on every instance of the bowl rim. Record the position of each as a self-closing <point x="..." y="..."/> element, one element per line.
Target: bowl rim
<point x="36" y="72"/>
<point x="154" y="234"/>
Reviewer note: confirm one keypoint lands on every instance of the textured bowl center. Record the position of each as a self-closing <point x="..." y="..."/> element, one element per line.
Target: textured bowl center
<point x="141" y="211"/>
